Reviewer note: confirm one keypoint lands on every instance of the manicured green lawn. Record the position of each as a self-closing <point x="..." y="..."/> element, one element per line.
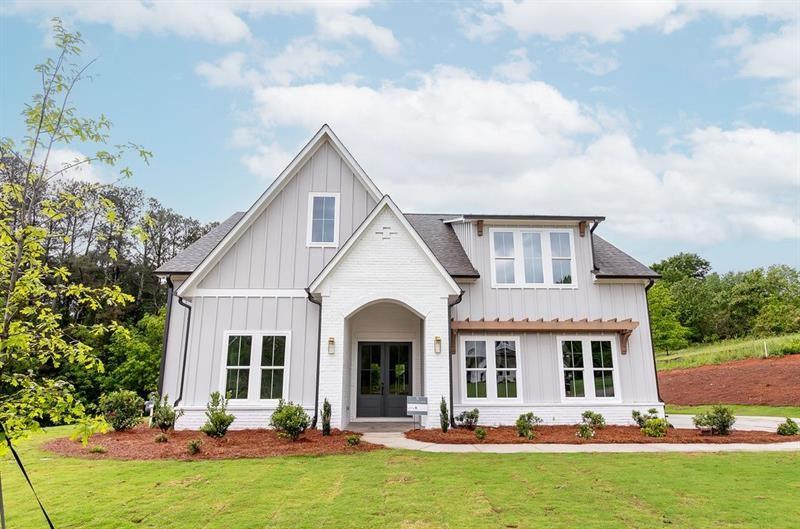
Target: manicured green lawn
<point x="740" y="409"/>
<point x="412" y="490"/>
<point x="722" y="351"/>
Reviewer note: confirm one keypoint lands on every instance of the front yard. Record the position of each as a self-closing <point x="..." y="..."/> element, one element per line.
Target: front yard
<point x="389" y="488"/>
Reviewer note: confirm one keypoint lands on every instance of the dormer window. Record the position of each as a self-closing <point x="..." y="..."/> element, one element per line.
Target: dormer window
<point x="323" y="219"/>
<point x="532" y="258"/>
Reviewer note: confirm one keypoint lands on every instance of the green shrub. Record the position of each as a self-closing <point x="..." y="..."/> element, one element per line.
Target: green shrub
<point x="353" y="440"/>
<point x="642" y="418"/>
<point x="161" y="438"/>
<point x="218" y="420"/>
<point x="444" y="416"/>
<point x="87" y="427"/>
<point x="193" y="446"/>
<point x="585" y="430"/>
<point x="596" y="420"/>
<point x="468" y="419"/>
<point x="789" y="347"/>
<point x="480" y="433"/>
<point x="526" y="424"/>
<point x="164" y="415"/>
<point x="326" y="417"/>
<point x="655" y="427"/>
<point x="122" y="409"/>
<point x="98" y="449"/>
<point x="289" y="419"/>
<point x="788" y="428"/>
<point x="719" y="420"/>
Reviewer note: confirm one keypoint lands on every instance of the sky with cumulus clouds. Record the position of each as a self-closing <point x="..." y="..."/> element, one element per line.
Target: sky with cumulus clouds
<point x="678" y="121"/>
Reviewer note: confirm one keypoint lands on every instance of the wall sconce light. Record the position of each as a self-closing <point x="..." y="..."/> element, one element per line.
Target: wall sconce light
<point x="437" y="345"/>
<point x="331" y="346"/>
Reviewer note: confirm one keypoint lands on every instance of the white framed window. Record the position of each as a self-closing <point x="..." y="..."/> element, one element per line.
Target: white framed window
<point x="255" y="364"/>
<point x="589" y="369"/>
<point x="532" y="258"/>
<point x="490" y="368"/>
<point x="323" y="220"/>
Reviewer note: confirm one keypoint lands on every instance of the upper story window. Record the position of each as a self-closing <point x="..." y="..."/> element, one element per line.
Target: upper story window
<point x="323" y="219"/>
<point x="532" y="257"/>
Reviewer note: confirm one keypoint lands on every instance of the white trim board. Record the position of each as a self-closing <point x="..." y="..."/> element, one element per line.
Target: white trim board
<point x="250" y="293"/>
<point x="255" y="367"/>
<point x="310" y="220"/>
<point x="325" y="133"/>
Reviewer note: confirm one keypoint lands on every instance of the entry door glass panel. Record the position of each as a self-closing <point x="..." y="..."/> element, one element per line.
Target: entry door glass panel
<point x="371" y="369"/>
<point x="399" y="369"/>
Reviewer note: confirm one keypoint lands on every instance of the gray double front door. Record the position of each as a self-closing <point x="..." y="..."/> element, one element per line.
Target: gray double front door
<point x="384" y="378"/>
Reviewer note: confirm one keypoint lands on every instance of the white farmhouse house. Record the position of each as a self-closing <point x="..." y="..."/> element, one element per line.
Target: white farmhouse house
<point x="324" y="289"/>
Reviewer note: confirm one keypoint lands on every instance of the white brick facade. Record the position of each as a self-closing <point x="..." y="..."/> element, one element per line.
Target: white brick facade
<point x="369" y="271"/>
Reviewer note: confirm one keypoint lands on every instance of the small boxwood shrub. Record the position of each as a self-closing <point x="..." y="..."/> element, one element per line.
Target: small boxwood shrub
<point x="642" y="418"/>
<point x="788" y="427"/>
<point x="161" y="438"/>
<point x="290" y="420"/>
<point x="444" y="416"/>
<point x="164" y="416"/>
<point x="218" y="420"/>
<point x="353" y="440"/>
<point x="122" y="409"/>
<point x="595" y="420"/>
<point x="326" y="417"/>
<point x="719" y="420"/>
<point x="655" y="427"/>
<point x="526" y="425"/>
<point x="585" y="431"/>
<point x="193" y="446"/>
<point x="98" y="449"/>
<point x="468" y="419"/>
<point x="480" y="433"/>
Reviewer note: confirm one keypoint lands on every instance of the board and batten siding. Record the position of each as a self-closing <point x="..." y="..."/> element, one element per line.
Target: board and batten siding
<point x="272" y="252"/>
<point x="540" y="368"/>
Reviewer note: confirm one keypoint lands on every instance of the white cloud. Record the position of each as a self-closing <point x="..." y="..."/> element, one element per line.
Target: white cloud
<point x="589" y="61"/>
<point x="517" y="66"/>
<point x="301" y="59"/>
<point x="229" y="71"/>
<point x="62" y="158"/>
<point x="216" y="20"/>
<point x="457" y="142"/>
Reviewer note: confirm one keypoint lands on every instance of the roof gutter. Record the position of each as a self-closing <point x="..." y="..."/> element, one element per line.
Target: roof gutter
<point x="185" y="348"/>
<point x="449" y="359"/>
<point x="319" y="334"/>
<point x="650" y="283"/>
<point x="168" y="317"/>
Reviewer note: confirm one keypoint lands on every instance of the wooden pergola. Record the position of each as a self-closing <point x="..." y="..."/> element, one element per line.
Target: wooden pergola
<point x="623" y="327"/>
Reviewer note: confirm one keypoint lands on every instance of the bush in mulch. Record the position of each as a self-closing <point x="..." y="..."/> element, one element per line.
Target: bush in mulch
<point x="138" y="443"/>
<point x="788" y="427"/>
<point x="565" y="434"/>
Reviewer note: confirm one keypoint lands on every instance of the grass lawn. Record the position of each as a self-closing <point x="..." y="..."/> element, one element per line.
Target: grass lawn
<point x="720" y="352"/>
<point x="407" y="489"/>
<point x="740" y="409"/>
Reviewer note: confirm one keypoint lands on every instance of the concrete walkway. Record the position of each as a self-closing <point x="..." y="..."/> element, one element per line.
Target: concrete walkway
<point x="397" y="439"/>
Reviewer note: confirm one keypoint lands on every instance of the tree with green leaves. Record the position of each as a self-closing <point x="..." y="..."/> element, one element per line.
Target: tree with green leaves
<point x="668" y="333"/>
<point x="36" y="339"/>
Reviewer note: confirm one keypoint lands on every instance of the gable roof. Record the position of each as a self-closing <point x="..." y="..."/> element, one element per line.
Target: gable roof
<point x="613" y="263"/>
<point x="190" y="257"/>
<point x="323" y="134"/>
<point x="443" y="242"/>
<point x="386" y="202"/>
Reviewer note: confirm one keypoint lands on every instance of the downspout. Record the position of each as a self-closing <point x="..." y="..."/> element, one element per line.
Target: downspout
<point x="319" y="334"/>
<point x="650" y="283"/>
<point x="449" y="356"/>
<point x="170" y="289"/>
<point x="185" y="348"/>
<point x="591" y="241"/>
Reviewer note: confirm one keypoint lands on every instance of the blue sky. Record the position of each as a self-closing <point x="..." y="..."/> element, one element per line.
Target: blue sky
<point x="678" y="121"/>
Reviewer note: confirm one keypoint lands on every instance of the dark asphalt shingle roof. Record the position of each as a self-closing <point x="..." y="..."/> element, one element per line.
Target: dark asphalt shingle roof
<point x="191" y="257"/>
<point x="613" y="262"/>
<point x="440" y="238"/>
<point x="443" y="242"/>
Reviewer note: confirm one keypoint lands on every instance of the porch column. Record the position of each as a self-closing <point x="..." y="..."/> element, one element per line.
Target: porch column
<point x="436" y="375"/>
<point x="331" y="366"/>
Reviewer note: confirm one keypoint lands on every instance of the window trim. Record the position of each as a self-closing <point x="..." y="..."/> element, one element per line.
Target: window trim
<point x="491" y="368"/>
<point x="310" y="220"/>
<point x="547" y="259"/>
<point x="588" y="368"/>
<point x="254" y="380"/>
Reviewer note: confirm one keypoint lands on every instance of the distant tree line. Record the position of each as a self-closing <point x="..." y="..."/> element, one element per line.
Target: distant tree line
<point x="692" y="304"/>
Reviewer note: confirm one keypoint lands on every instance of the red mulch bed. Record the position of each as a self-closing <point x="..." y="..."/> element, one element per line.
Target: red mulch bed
<point x="609" y="434"/>
<point x="765" y="381"/>
<point x="139" y="444"/>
